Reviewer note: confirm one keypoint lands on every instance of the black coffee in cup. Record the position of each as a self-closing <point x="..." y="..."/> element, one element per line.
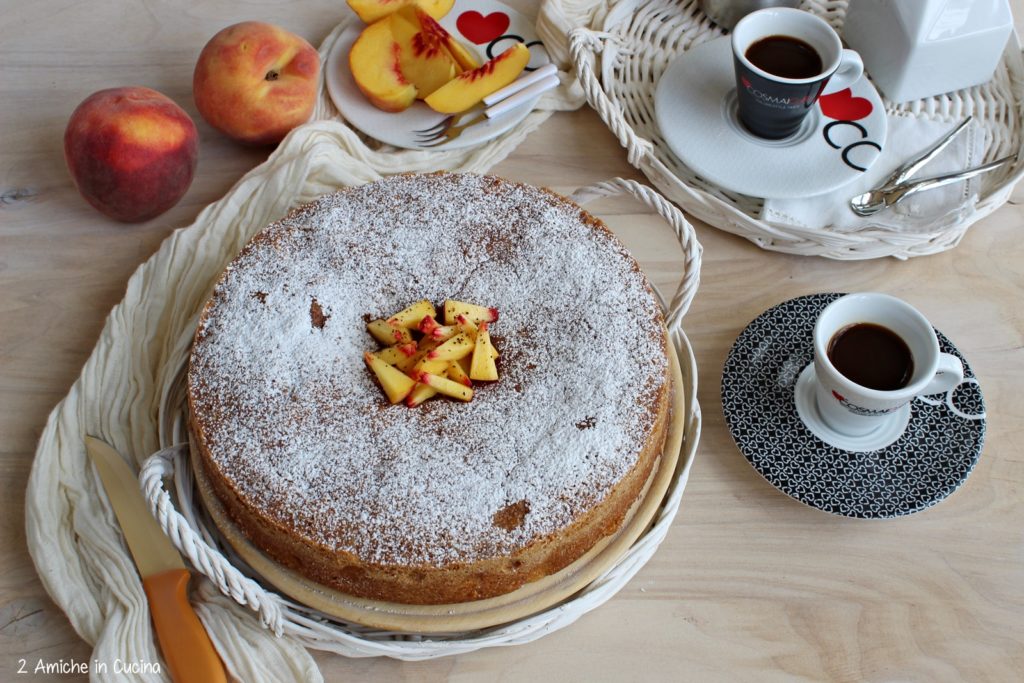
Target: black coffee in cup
<point x="785" y="56"/>
<point x="784" y="60"/>
<point x="872" y="356"/>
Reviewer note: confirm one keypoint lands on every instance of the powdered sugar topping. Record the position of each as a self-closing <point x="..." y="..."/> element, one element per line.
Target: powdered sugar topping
<point x="295" y="421"/>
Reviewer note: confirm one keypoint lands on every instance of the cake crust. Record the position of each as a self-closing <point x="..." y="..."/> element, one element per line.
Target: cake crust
<point x="430" y="505"/>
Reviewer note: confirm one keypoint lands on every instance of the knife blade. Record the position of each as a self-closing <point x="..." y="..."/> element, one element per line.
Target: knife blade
<point x="186" y="646"/>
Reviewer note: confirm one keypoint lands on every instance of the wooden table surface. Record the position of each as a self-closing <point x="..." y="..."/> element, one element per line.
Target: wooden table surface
<point x="749" y="584"/>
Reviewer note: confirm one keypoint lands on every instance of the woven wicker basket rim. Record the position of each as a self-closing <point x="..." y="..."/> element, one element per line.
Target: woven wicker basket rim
<point x="189" y="528"/>
<point x="620" y="50"/>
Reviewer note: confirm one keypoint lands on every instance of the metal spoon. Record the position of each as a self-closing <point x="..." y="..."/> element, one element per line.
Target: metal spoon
<point x="873" y="201"/>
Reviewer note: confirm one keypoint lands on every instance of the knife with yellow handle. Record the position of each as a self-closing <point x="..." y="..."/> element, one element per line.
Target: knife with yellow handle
<point x="184" y="642"/>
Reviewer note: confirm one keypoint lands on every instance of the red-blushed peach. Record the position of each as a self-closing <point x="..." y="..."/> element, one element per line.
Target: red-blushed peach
<point x="469" y="87"/>
<point x="424" y="58"/>
<point x="254" y="82"/>
<point x="131" y="151"/>
<point x="372" y="10"/>
<point x="376" y="66"/>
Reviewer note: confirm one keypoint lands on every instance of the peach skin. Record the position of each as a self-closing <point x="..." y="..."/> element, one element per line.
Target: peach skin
<point x="254" y="82"/>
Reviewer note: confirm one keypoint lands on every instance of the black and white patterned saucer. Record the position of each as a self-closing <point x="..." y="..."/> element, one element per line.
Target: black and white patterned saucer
<point x="928" y="462"/>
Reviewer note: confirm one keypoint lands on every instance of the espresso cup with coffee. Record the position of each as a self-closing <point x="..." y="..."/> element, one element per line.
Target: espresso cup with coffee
<point x="785" y="59"/>
<point x="873" y="353"/>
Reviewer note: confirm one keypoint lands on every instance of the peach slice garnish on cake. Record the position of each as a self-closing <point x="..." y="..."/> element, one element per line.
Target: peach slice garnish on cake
<point x="426" y="345"/>
<point x="471" y="329"/>
<point x="455" y="348"/>
<point x="420" y="394"/>
<point x="393" y="355"/>
<point x="473" y="313"/>
<point x="396" y="384"/>
<point x="388" y="334"/>
<point x="441" y="359"/>
<point x="411" y="316"/>
<point x="447" y="387"/>
<point x="456" y="373"/>
<point x="435" y="330"/>
<point x="425" y="364"/>
<point x="470" y="87"/>
<point x="482" y="366"/>
<point x="375" y="63"/>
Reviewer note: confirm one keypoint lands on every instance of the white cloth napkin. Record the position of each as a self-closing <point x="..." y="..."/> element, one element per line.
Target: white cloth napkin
<point x="906" y="139"/>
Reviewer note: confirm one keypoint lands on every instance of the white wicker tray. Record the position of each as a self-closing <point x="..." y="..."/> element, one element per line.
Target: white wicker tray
<point x="190" y="528"/>
<point x="622" y="50"/>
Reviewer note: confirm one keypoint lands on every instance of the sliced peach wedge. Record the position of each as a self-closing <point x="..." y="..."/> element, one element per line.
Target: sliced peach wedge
<point x="375" y="62"/>
<point x="393" y="355"/>
<point x="482" y="366"/>
<point x="456" y="373"/>
<point x="411" y="316"/>
<point x="471" y="330"/>
<point x="372" y="10"/>
<point x="455" y="348"/>
<point x="470" y="87"/>
<point x="462" y="56"/>
<point x="447" y="387"/>
<point x="420" y="394"/>
<point x="425" y="364"/>
<point x="396" y="384"/>
<point x="435" y="330"/>
<point x="388" y="334"/>
<point x="471" y="312"/>
<point x="423" y="56"/>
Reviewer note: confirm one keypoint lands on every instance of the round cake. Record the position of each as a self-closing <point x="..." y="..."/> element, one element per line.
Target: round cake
<point x="449" y="501"/>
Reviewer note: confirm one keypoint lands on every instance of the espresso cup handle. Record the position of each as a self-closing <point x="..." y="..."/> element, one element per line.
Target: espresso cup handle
<point x="948" y="375"/>
<point x="851" y="68"/>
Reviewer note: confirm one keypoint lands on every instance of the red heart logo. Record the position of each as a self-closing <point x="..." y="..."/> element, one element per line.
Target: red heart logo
<point x="479" y="29"/>
<point x="843" y="106"/>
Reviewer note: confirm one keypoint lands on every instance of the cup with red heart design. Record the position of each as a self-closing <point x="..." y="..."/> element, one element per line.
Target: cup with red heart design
<point x="785" y="59"/>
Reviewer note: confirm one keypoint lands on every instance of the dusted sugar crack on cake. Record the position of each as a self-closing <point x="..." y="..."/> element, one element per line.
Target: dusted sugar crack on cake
<point x="452" y="501"/>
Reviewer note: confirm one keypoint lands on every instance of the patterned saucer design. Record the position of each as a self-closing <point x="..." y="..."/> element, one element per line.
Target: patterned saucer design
<point x="925" y="465"/>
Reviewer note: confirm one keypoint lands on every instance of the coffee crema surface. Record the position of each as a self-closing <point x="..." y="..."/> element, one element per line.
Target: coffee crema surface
<point x="872" y="356"/>
<point x="785" y="57"/>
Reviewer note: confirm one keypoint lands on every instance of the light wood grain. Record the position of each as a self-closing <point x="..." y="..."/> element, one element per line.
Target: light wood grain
<point x="749" y="585"/>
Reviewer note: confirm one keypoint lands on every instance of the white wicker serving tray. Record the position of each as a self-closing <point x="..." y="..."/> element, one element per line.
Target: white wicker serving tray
<point x="188" y="525"/>
<point x="621" y="50"/>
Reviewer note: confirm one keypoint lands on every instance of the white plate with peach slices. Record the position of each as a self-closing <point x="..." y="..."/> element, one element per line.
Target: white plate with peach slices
<point x="409" y="67"/>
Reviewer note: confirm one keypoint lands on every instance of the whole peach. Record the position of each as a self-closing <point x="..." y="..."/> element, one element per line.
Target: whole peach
<point x="254" y="82"/>
<point x="131" y="151"/>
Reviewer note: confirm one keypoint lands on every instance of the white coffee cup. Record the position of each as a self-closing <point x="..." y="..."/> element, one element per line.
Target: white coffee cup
<point x="855" y="410"/>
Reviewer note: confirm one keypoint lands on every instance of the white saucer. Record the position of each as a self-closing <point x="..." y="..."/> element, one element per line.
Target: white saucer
<point x="695" y="109"/>
<point x="486" y="28"/>
<point x="889" y="429"/>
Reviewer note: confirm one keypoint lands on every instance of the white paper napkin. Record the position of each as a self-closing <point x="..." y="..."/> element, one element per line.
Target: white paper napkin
<point x="906" y="139"/>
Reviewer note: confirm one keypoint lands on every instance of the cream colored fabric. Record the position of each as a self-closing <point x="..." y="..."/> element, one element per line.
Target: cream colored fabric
<point x="126" y="391"/>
